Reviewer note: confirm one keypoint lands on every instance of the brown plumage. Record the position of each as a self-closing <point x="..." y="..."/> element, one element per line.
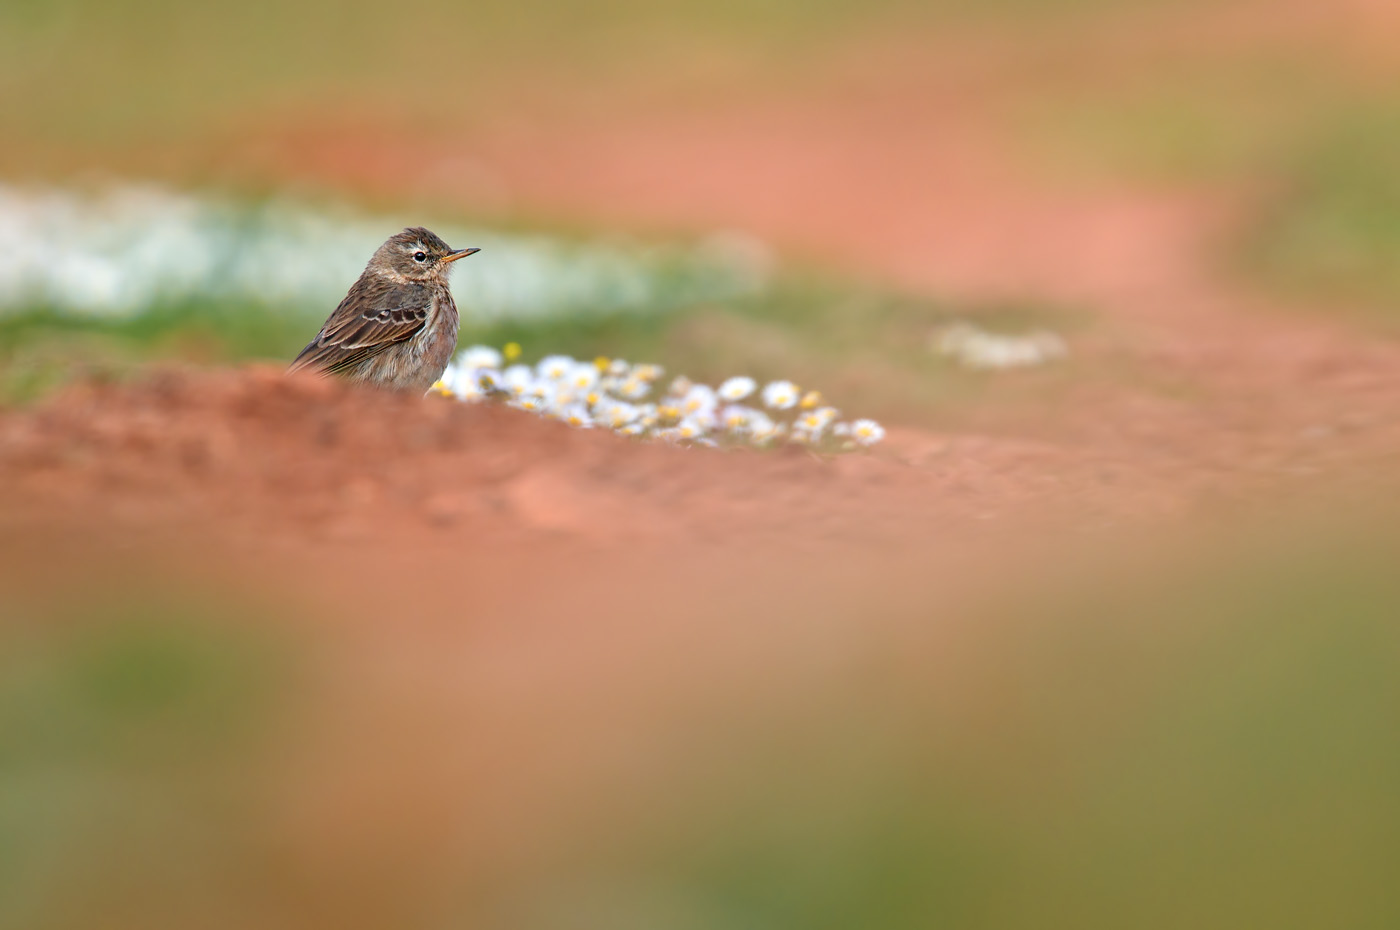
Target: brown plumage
<point x="397" y="327"/>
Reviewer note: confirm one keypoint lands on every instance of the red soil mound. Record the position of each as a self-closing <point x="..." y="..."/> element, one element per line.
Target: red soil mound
<point x="260" y="454"/>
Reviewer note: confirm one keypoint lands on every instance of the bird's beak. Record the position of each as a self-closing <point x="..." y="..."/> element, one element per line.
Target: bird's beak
<point x="459" y="253"/>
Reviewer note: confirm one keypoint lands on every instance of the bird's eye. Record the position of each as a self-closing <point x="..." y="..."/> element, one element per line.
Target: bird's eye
<point x="420" y="256"/>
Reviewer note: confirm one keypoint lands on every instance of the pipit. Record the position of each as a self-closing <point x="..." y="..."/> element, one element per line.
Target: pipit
<point x="397" y="327"/>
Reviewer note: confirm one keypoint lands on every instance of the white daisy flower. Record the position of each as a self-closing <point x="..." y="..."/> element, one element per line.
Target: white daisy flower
<point x="707" y="417"/>
<point x="781" y="395"/>
<point x="632" y="387"/>
<point x="615" y="413"/>
<point x="530" y="403"/>
<point x="818" y="420"/>
<point x="479" y="357"/>
<point x="582" y="376"/>
<point x="737" y="388"/>
<point x="699" y="399"/>
<point x="450" y="375"/>
<point x="464" y="383"/>
<point x="736" y="418"/>
<point x="488" y="378"/>
<point x="867" y="432"/>
<point x="633" y="429"/>
<point x="648" y="372"/>
<point x="518" y="379"/>
<point x="680" y="386"/>
<point x="812" y="426"/>
<point x="689" y="428"/>
<point x="555" y="367"/>
<point x="576" y="415"/>
<point x="761" y="427"/>
<point x="618" y="368"/>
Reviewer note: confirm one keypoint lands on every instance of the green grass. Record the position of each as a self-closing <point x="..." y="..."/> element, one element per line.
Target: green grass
<point x="1315" y="150"/>
<point x="1218" y="121"/>
<point x="121" y="723"/>
<point x="43" y="349"/>
<point x="1333" y="230"/>
<point x="868" y="350"/>
<point x="80" y="73"/>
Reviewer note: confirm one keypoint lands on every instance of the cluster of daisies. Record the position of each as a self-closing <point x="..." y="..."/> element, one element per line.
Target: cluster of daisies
<point x="978" y="349"/>
<point x="119" y="239"/>
<point x="635" y="400"/>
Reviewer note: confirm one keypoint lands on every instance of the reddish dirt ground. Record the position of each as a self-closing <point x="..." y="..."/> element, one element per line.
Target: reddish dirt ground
<point x="909" y="172"/>
<point x="265" y="457"/>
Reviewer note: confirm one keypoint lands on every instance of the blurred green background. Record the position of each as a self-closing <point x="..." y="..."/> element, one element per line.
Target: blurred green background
<point x="1209" y="742"/>
<point x="1286" y="111"/>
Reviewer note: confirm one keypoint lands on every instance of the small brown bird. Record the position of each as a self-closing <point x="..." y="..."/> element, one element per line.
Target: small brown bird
<point x="397" y="327"/>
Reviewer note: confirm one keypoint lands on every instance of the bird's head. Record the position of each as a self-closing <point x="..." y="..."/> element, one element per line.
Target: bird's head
<point x="416" y="254"/>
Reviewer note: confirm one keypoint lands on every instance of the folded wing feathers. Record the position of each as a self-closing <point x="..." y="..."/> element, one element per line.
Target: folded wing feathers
<point x="372" y="317"/>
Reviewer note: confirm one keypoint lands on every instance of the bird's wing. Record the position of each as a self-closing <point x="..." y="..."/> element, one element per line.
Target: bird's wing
<point x="373" y="316"/>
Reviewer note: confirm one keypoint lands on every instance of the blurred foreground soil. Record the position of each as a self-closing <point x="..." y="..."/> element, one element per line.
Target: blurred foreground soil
<point x="281" y="653"/>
